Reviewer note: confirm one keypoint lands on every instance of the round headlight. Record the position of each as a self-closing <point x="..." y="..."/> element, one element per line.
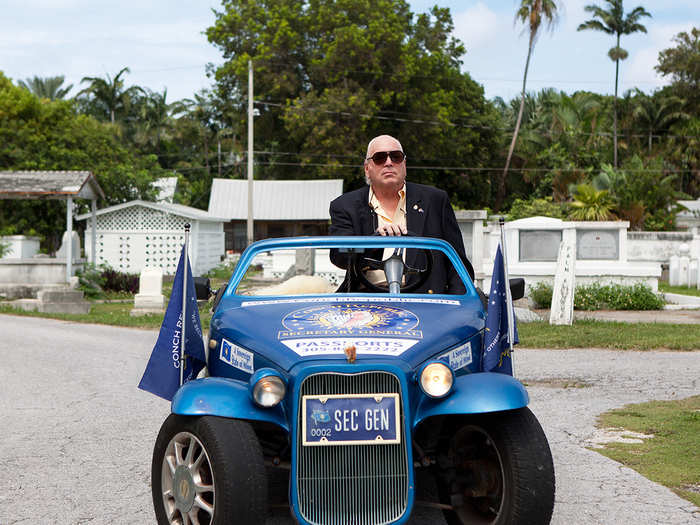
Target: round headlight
<point x="268" y="391"/>
<point x="436" y="379"/>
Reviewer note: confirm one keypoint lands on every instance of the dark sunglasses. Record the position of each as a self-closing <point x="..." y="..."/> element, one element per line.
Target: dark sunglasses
<point x="396" y="156"/>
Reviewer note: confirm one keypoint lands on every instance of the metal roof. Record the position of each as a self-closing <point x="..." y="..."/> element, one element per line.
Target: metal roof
<point x="274" y="200"/>
<point x="49" y="185"/>
<point x="693" y="208"/>
<point x="166" y="207"/>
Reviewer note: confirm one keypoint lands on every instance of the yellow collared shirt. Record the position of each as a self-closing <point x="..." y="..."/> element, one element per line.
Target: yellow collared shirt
<point x="383" y="218"/>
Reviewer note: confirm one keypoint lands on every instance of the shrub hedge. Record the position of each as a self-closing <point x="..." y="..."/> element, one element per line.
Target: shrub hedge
<point x="602" y="297"/>
<point x="95" y="280"/>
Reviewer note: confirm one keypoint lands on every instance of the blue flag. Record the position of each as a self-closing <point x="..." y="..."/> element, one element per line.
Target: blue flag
<point x="162" y="375"/>
<point x="497" y="356"/>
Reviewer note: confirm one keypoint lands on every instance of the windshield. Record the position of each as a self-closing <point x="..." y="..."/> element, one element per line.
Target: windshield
<point x="283" y="271"/>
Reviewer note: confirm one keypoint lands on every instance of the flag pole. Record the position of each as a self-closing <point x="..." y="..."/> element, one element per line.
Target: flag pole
<point x="184" y="302"/>
<point x="509" y="297"/>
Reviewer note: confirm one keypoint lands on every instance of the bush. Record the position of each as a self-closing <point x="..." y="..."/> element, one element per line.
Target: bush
<point x="522" y="209"/>
<point x="602" y="297"/>
<point x="95" y="280"/>
<point x="541" y="295"/>
<point x="223" y="271"/>
<point x="90" y="281"/>
<point x="616" y="297"/>
<point x="116" y="281"/>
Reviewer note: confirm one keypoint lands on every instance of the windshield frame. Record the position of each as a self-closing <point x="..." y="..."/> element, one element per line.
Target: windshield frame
<point x="348" y="242"/>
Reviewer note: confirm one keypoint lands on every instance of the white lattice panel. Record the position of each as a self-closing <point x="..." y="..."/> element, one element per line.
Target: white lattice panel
<point x="140" y="219"/>
<point x="131" y="238"/>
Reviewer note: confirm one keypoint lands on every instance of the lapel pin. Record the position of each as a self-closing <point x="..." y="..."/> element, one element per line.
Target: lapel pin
<point x="415" y="206"/>
<point x="420" y="210"/>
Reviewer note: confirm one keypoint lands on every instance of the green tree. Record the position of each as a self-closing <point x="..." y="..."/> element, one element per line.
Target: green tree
<point x="50" y="135"/>
<point x="614" y="21"/>
<point x="330" y="74"/>
<point x="531" y="13"/>
<point x="682" y="64"/>
<point x="107" y="96"/>
<point x="47" y="87"/>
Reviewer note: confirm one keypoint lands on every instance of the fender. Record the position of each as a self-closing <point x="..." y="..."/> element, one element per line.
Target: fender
<point x="475" y="394"/>
<point x="224" y="397"/>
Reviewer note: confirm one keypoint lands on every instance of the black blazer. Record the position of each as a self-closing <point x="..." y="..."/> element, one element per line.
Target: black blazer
<point x="428" y="214"/>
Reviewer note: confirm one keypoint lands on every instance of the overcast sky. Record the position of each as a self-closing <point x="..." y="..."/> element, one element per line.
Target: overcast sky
<point x="161" y="41"/>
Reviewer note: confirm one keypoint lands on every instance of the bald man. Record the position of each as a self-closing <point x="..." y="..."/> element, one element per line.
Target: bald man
<point x="389" y="205"/>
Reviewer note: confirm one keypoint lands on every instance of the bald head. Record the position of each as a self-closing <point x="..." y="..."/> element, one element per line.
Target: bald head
<point x="372" y="146"/>
<point x="389" y="175"/>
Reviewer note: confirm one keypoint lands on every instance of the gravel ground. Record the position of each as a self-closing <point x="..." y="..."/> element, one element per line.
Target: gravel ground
<point x="77" y="434"/>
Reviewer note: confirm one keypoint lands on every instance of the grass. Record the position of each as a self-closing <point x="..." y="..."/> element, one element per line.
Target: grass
<point x="684" y="290"/>
<point x="608" y="334"/>
<point x="671" y="457"/>
<point x="111" y="313"/>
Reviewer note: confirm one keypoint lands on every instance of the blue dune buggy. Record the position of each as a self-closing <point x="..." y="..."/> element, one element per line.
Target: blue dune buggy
<point x="363" y="405"/>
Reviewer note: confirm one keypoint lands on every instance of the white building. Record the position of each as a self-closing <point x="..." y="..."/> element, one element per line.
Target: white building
<point x="282" y="208"/>
<point x="690" y="217"/>
<point x="137" y="234"/>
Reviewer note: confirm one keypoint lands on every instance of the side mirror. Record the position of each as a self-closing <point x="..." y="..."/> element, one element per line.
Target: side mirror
<point x="218" y="295"/>
<point x="517" y="288"/>
<point x="202" y="288"/>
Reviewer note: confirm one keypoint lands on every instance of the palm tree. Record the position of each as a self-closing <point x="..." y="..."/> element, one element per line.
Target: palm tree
<point x="530" y="13"/>
<point x="47" y="87"/>
<point x="613" y="21"/>
<point x="153" y="119"/>
<point x="109" y="93"/>
<point x="591" y="204"/>
<point x="657" y="113"/>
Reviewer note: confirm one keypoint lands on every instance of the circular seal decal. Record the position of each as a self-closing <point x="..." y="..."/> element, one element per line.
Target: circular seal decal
<point x="354" y="319"/>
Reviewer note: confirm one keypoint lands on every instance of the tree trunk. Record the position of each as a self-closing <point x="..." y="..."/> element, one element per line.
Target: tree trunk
<point x="617" y="74"/>
<point x="500" y="196"/>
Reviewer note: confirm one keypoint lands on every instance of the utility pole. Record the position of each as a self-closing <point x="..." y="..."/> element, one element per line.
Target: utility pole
<point x="250" y="234"/>
<point x="218" y="151"/>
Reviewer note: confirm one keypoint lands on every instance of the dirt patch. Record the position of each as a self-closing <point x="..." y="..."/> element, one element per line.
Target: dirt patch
<point x="603" y="436"/>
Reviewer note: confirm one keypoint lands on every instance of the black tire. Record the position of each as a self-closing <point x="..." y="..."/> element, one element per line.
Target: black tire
<point x="503" y="471"/>
<point x="210" y="468"/>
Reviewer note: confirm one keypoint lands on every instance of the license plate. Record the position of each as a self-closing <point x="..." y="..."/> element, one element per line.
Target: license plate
<point x="352" y="419"/>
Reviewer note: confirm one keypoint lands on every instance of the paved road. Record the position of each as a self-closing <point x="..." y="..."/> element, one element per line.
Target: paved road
<point x="76" y="434"/>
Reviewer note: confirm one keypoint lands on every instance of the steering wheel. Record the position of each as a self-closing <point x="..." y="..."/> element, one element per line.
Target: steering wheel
<point x="363" y="263"/>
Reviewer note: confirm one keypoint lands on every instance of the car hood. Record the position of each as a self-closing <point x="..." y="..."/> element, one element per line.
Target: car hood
<point x="287" y="331"/>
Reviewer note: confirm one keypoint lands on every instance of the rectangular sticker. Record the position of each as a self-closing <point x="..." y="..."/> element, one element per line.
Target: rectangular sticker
<point x="458" y="357"/>
<point x="337" y="345"/>
<point x="236" y="356"/>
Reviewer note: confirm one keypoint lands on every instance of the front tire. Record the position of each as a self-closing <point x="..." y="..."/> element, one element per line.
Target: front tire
<point x="208" y="471"/>
<point x="501" y="471"/>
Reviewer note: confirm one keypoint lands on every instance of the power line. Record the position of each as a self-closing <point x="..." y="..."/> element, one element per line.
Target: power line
<point x="459" y="168"/>
<point x="462" y="125"/>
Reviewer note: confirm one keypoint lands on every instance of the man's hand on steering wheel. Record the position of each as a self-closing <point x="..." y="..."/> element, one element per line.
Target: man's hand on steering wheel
<point x="391" y="230"/>
<point x="361" y="263"/>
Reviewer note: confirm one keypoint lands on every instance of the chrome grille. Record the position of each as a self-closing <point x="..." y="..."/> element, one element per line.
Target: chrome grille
<point x="352" y="484"/>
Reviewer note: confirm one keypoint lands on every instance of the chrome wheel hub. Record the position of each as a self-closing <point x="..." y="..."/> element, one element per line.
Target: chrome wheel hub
<point x="187" y="481"/>
<point x="183" y="488"/>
